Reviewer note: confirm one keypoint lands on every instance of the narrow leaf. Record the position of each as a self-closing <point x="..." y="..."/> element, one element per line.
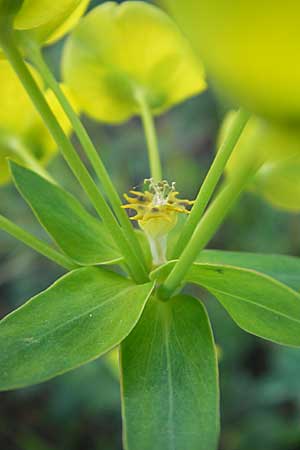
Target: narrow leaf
<point x="81" y="316"/>
<point x="77" y="233"/>
<point x="170" y="379"/>
<point x="282" y="267"/>
<point x="257" y="303"/>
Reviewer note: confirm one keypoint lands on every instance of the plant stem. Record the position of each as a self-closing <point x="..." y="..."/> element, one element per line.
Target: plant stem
<point x="34" y="53"/>
<point x="135" y="266"/>
<point x="209" y="224"/>
<point x="211" y="180"/>
<point x="35" y="243"/>
<point x="151" y="138"/>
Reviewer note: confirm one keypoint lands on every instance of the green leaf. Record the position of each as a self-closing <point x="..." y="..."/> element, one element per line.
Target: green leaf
<point x="257" y="303"/>
<point x="77" y="233"/>
<point x="83" y="315"/>
<point x="170" y="379"/>
<point x="282" y="267"/>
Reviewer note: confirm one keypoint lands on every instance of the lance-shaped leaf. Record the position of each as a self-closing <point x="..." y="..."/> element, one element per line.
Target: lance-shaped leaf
<point x="170" y="379"/>
<point x="257" y="303"/>
<point x="81" y="316"/>
<point x="77" y="233"/>
<point x="282" y="267"/>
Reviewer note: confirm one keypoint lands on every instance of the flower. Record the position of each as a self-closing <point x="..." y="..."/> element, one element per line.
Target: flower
<point x="157" y="208"/>
<point x="23" y="134"/>
<point x="120" y="53"/>
<point x="45" y="20"/>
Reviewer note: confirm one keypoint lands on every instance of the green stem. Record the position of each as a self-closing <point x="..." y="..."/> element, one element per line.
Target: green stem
<point x="35" y="243"/>
<point x="34" y="53"/>
<point x="135" y="266"/>
<point x="21" y="150"/>
<point x="211" y="180"/>
<point x="209" y="224"/>
<point x="151" y="138"/>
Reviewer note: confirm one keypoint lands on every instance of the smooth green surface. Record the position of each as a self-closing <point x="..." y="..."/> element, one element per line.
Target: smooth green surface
<point x="77" y="233"/>
<point x="119" y="51"/>
<point x="278" y="149"/>
<point x="282" y="267"/>
<point x="227" y="146"/>
<point x="170" y="379"/>
<point x="81" y="316"/>
<point x="248" y="49"/>
<point x="41" y="247"/>
<point x="257" y="303"/>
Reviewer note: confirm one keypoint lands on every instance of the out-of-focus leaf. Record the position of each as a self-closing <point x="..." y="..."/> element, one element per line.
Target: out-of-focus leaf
<point x="169" y="379"/>
<point x="249" y="50"/>
<point x="119" y="52"/>
<point x="83" y="315"/>
<point x="78" y="234"/>
<point x="278" y="150"/>
<point x="21" y="128"/>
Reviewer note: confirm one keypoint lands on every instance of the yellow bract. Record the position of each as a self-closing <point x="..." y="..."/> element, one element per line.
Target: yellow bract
<point x="36" y="13"/>
<point x="21" y="128"/>
<point x="47" y="21"/>
<point x="278" y="150"/>
<point x="250" y="50"/>
<point x="121" y="52"/>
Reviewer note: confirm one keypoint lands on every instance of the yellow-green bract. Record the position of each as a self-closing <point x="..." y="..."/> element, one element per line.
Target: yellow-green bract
<point x="47" y="20"/>
<point x="119" y="53"/>
<point x="278" y="150"/>
<point x="250" y="49"/>
<point x="21" y="128"/>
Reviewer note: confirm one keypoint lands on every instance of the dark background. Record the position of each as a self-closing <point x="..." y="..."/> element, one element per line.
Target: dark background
<point x="260" y="383"/>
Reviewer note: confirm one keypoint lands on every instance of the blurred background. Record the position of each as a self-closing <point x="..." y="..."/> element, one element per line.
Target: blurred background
<point x="260" y="395"/>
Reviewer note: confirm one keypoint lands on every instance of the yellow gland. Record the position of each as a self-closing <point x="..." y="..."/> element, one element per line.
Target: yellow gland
<point x="157" y="208"/>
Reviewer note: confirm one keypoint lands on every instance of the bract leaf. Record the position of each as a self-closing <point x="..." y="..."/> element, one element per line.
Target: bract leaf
<point x="112" y="58"/>
<point x="170" y="379"/>
<point x="81" y="316"/>
<point x="249" y="52"/>
<point x="21" y="128"/>
<point x="257" y="303"/>
<point x="77" y="232"/>
<point x="278" y="150"/>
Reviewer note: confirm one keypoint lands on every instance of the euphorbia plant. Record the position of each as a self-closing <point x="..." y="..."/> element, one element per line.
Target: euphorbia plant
<point x="122" y="61"/>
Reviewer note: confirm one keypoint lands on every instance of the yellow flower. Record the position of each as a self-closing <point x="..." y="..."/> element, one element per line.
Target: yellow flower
<point x="45" y="20"/>
<point x="119" y="53"/>
<point x="22" y="131"/>
<point x="157" y="208"/>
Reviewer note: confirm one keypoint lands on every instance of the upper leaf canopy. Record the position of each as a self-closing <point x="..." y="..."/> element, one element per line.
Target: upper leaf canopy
<point x="20" y="125"/>
<point x="249" y="49"/>
<point x="119" y="54"/>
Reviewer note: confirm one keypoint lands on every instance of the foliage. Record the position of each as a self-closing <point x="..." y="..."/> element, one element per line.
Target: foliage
<point x="168" y="370"/>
